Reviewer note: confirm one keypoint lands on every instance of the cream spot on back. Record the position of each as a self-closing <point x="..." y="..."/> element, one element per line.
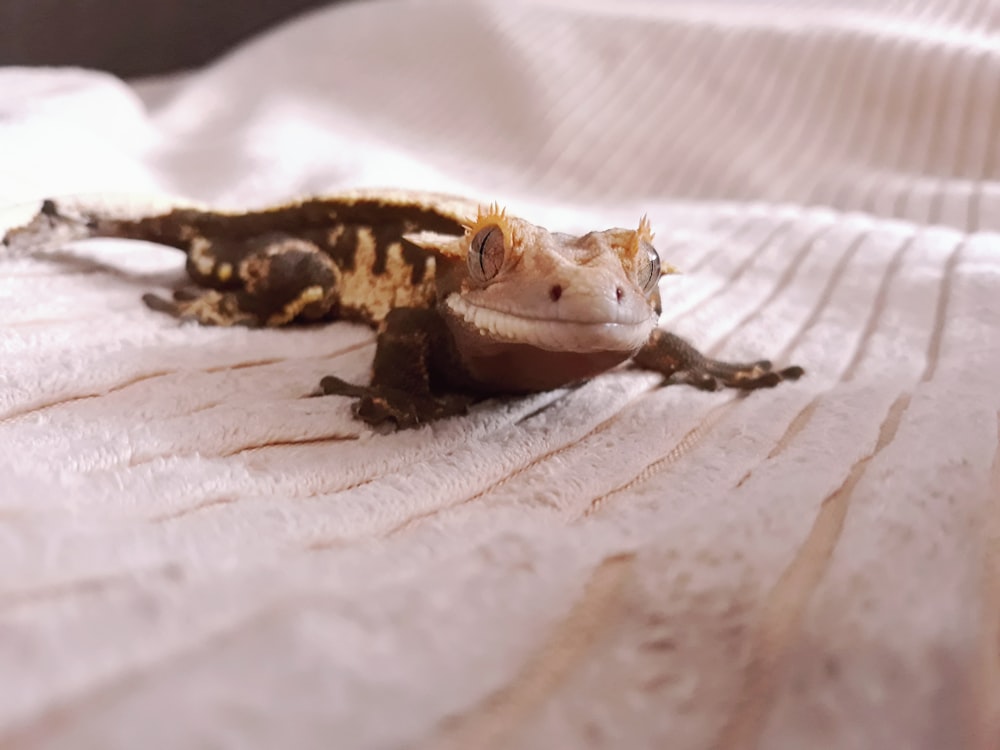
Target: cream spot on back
<point x="203" y="262"/>
<point x="376" y="295"/>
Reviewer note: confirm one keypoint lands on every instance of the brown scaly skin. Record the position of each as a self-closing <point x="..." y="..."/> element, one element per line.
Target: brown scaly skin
<point x="468" y="302"/>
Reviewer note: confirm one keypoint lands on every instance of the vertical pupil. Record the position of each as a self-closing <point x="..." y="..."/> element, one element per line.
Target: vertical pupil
<point x="654" y="268"/>
<point x="482" y="250"/>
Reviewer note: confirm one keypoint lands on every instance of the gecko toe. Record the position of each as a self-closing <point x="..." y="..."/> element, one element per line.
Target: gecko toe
<point x="792" y="373"/>
<point x="703" y="381"/>
<point x="331" y="385"/>
<point x="378" y="412"/>
<point x="754" y="381"/>
<point x="186" y="295"/>
<point x="157" y="303"/>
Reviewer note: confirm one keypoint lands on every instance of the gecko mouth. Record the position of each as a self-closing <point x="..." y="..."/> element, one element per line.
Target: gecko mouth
<point x="554" y="334"/>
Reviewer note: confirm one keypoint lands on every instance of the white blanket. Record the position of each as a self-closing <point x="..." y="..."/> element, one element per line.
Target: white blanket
<point x="194" y="555"/>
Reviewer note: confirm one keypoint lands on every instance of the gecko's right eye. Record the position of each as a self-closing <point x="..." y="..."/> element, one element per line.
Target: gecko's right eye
<point x="486" y="253"/>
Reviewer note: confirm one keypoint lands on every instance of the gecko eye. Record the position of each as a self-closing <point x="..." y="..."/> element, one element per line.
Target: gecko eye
<point x="648" y="274"/>
<point x="486" y="253"/>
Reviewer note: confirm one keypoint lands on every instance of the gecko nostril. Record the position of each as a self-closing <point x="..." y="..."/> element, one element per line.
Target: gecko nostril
<point x="619" y="293"/>
<point x="555" y="292"/>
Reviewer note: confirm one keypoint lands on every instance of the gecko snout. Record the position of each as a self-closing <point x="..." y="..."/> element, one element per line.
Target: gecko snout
<point x="556" y="291"/>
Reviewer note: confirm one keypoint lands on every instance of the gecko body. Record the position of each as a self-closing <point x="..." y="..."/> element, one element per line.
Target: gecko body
<point x="467" y="301"/>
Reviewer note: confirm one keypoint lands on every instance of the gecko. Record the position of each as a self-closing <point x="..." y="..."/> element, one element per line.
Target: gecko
<point x="468" y="301"/>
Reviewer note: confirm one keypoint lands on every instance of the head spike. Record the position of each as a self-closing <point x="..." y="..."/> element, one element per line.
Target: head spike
<point x="642" y="234"/>
<point x="493" y="214"/>
<point x="645" y="231"/>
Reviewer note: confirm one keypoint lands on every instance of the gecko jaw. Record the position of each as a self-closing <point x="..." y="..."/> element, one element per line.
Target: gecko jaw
<point x="553" y="334"/>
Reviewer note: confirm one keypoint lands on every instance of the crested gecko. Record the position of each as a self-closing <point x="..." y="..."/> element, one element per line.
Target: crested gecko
<point x="468" y="301"/>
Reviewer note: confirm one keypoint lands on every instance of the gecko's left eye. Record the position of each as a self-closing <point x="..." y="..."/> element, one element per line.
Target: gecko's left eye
<point x="486" y="253"/>
<point x="648" y="274"/>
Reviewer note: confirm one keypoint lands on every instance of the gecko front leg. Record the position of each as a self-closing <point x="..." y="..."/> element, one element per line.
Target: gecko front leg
<point x="679" y="361"/>
<point x="409" y="379"/>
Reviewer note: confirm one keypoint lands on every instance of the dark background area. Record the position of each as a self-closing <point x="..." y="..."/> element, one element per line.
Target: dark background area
<point x="133" y="37"/>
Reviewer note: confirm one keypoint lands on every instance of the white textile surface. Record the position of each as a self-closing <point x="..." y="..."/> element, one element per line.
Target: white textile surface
<point x="193" y="555"/>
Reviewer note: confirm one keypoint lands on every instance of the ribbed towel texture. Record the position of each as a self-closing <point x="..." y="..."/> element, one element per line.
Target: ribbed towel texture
<point x="194" y="555"/>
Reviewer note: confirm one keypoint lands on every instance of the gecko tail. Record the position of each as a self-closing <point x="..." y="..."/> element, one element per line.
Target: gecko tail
<point x="51" y="227"/>
<point x="57" y="222"/>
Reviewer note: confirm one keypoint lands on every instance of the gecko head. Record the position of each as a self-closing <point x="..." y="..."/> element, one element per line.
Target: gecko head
<point x="589" y="293"/>
<point x="521" y="299"/>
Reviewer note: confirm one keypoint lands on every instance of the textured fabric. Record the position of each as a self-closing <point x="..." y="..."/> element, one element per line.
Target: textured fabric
<point x="194" y="555"/>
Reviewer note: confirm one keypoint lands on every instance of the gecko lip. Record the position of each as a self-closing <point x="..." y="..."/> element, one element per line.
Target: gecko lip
<point x="554" y="334"/>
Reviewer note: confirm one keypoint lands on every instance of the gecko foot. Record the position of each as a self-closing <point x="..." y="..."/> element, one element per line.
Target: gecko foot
<point x="391" y="407"/>
<point x="679" y="362"/>
<point x="208" y="307"/>
<point x="712" y="375"/>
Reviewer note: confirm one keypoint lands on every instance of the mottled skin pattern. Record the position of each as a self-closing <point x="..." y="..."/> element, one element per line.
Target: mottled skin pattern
<point x="467" y="302"/>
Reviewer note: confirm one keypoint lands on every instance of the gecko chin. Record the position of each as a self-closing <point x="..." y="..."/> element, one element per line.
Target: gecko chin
<point x="522" y="368"/>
